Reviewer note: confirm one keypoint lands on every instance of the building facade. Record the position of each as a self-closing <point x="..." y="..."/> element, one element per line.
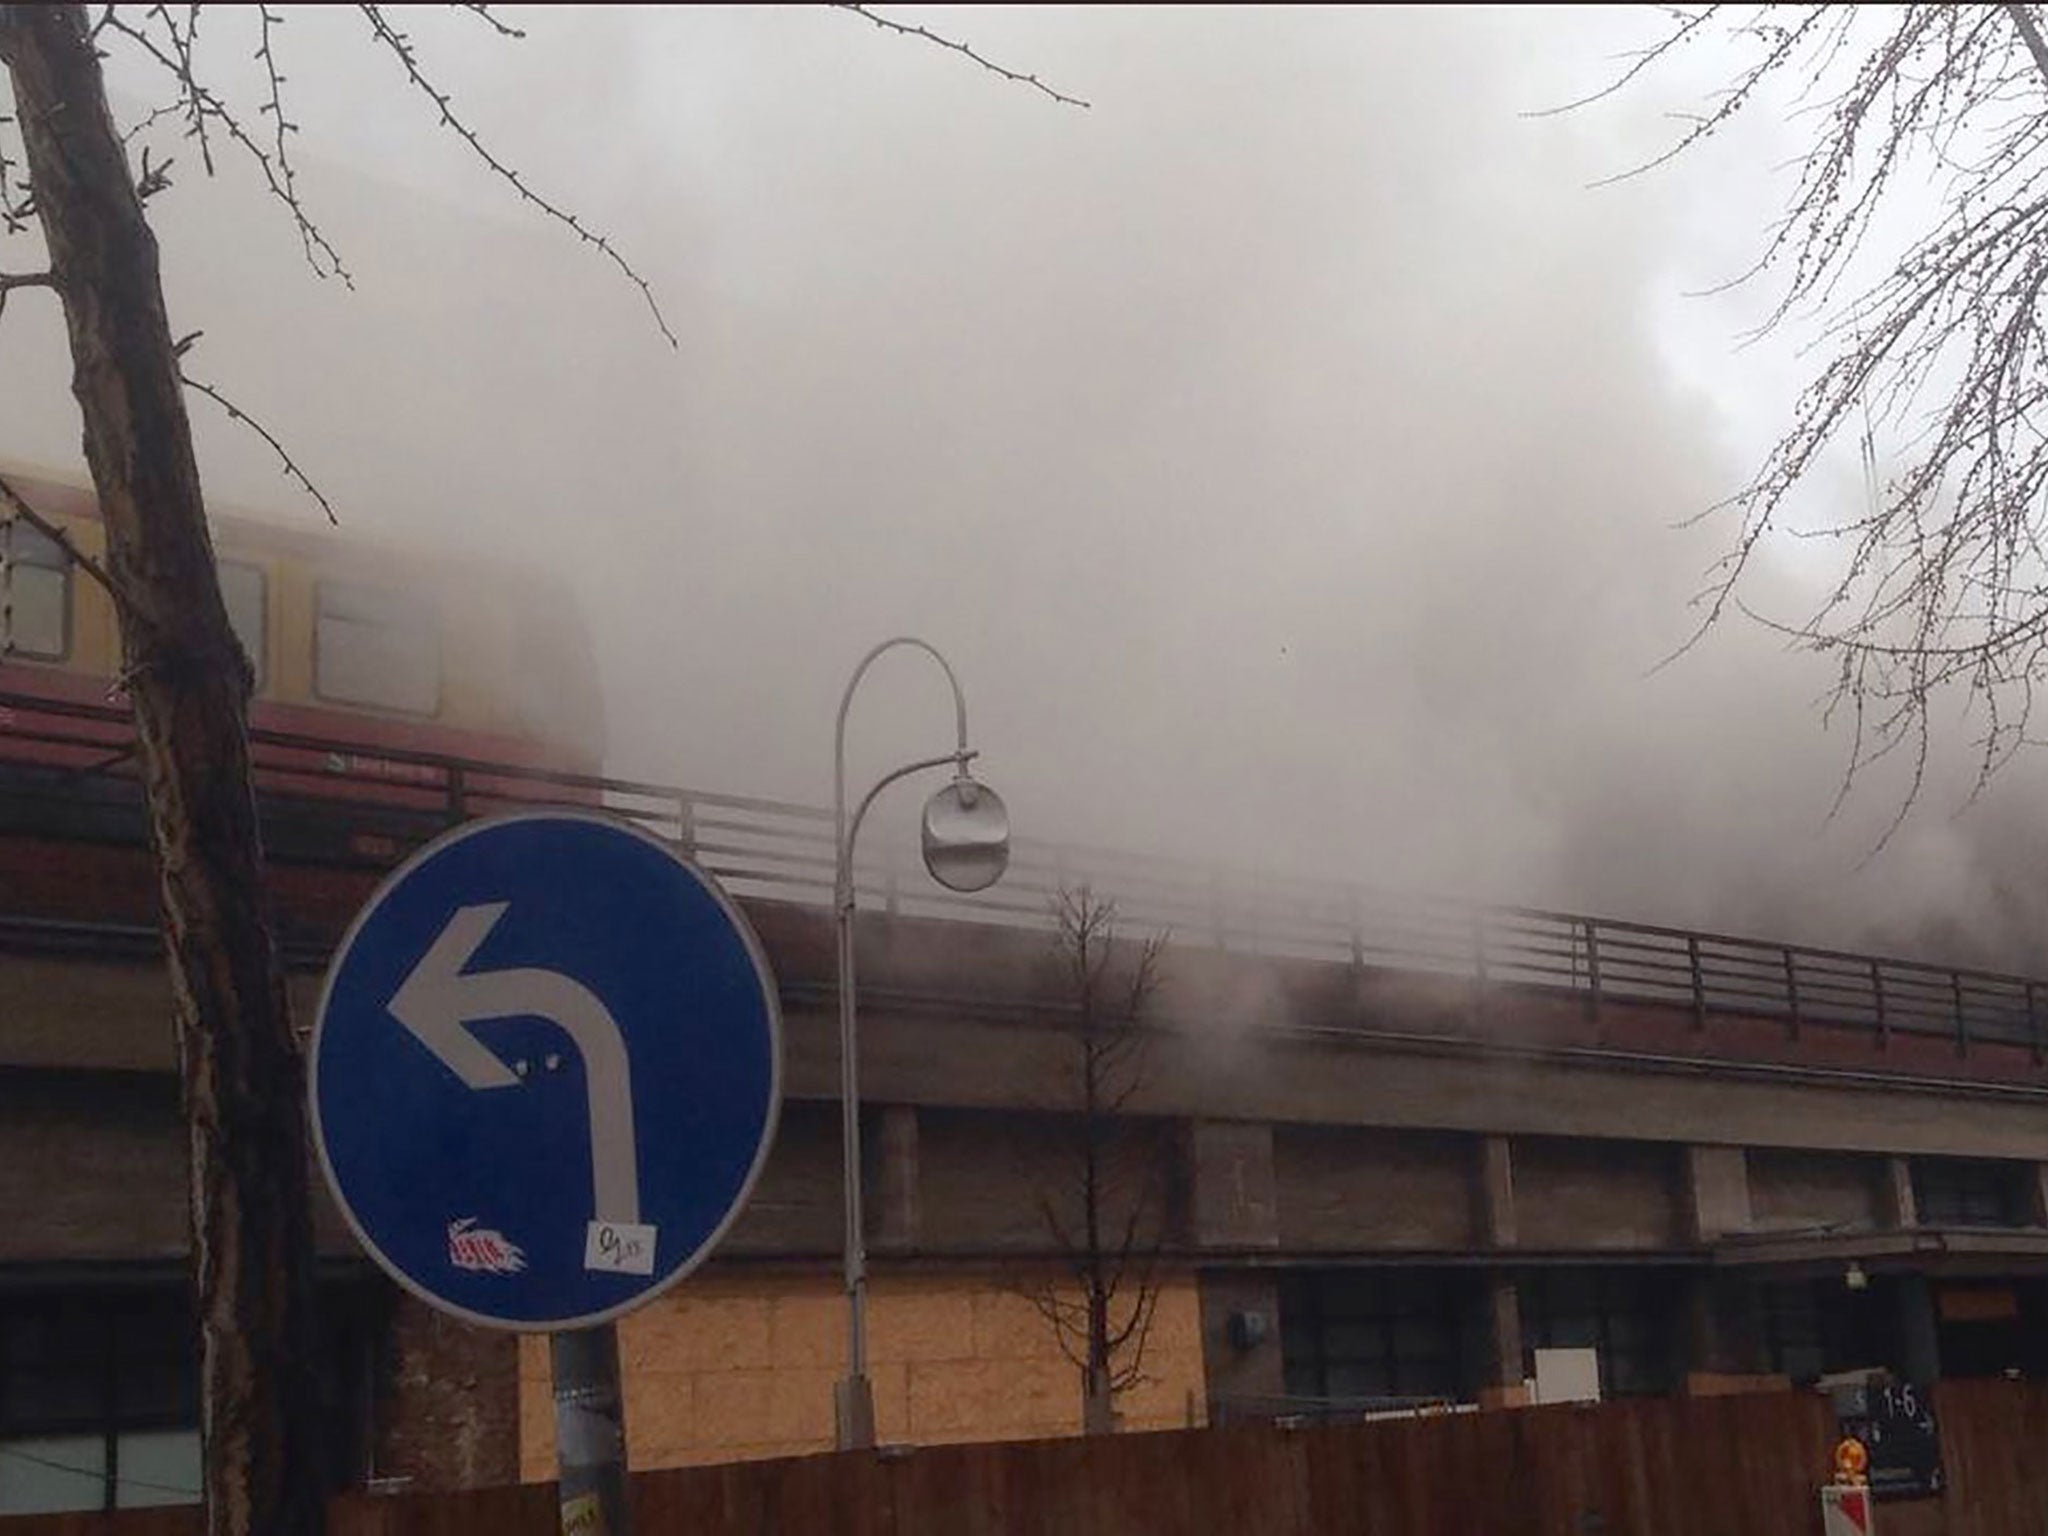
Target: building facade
<point x="1401" y="1149"/>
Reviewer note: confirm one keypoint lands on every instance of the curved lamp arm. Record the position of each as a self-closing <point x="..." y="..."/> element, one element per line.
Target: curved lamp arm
<point x="842" y="849"/>
<point x="853" y="830"/>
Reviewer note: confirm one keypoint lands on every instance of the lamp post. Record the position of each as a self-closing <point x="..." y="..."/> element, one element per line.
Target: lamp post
<point x="966" y="847"/>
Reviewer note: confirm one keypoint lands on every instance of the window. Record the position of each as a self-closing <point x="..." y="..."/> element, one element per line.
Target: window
<point x="376" y="646"/>
<point x="1962" y="1192"/>
<point x="243" y="588"/>
<point x="1372" y="1334"/>
<point x="98" y="1402"/>
<point x="1620" y="1313"/>
<point x="1789" y="1320"/>
<point x="35" y="597"/>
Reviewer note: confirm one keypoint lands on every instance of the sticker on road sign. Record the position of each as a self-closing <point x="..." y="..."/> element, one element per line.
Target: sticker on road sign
<point x="546" y="1070"/>
<point x="619" y="1246"/>
<point x="474" y="1247"/>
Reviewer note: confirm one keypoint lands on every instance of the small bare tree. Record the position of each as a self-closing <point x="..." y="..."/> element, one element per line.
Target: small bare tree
<point x="1104" y="1212"/>
<point x="1936" y="367"/>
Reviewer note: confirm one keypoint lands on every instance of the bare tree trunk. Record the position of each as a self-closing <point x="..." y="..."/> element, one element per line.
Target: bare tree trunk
<point x="1097" y="1409"/>
<point x="244" y="1105"/>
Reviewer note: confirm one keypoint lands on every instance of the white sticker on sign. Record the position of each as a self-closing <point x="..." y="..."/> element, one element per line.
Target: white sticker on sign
<point x="620" y="1248"/>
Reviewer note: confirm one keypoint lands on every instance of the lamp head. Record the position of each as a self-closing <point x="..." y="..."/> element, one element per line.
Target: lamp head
<point x="966" y="835"/>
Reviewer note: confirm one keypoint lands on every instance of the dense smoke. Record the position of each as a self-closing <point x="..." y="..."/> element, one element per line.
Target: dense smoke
<point x="1290" y="451"/>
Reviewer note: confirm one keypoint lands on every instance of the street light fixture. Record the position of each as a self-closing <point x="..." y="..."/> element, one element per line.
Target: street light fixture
<point x="966" y="848"/>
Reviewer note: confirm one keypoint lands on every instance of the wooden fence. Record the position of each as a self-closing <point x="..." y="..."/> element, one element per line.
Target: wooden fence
<point x="1729" y="1466"/>
<point x="1732" y="1466"/>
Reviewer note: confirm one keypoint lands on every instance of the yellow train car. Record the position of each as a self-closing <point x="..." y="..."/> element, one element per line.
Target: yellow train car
<point x="384" y="678"/>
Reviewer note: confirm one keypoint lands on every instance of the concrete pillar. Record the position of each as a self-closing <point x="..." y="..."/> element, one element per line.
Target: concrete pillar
<point x="1716" y="1192"/>
<point x="1241" y="1354"/>
<point x="897" y="1218"/>
<point x="1919" y="1338"/>
<point x="1232" y="1199"/>
<point x="1496" y="1177"/>
<point x="1897" y="1207"/>
<point x="1504" y="1326"/>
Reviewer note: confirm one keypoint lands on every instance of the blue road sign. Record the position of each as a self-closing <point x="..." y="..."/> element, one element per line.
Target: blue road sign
<point x="546" y="1070"/>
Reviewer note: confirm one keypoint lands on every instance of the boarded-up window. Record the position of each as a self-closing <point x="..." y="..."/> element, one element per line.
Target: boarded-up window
<point x="35" y="595"/>
<point x="377" y="646"/>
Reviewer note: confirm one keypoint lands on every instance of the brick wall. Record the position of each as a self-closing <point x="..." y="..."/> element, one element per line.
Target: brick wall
<point x="1345" y="1187"/>
<point x="985" y="1178"/>
<point x="1597" y="1194"/>
<point x="1791" y="1190"/>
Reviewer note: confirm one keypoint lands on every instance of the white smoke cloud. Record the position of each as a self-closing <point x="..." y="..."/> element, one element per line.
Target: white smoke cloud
<point x="1289" y="451"/>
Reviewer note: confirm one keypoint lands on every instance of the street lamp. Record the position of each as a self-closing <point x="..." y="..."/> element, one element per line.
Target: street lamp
<point x="966" y="848"/>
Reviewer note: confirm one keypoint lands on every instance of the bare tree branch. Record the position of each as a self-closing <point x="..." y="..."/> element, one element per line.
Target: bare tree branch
<point x="9" y="281"/>
<point x="201" y="105"/>
<point x="2030" y="33"/>
<point x="242" y="417"/>
<point x="18" y="506"/>
<point x="400" y="48"/>
<point x="1940" y="588"/>
<point x="955" y="46"/>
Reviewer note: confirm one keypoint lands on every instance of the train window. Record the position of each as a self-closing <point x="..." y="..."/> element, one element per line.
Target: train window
<point x="376" y="646"/>
<point x="35" y="596"/>
<point x="242" y="588"/>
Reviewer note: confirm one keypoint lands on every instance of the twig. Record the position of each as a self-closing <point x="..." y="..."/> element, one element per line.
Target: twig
<point x="237" y="414"/>
<point x="150" y="119"/>
<point x="956" y="46"/>
<point x="154" y="178"/>
<point x="279" y="123"/>
<point x="17" y="201"/>
<point x="484" y="14"/>
<point x="401" y="48"/>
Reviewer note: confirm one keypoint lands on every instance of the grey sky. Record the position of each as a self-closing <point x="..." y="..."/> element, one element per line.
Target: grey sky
<point x="1288" y="451"/>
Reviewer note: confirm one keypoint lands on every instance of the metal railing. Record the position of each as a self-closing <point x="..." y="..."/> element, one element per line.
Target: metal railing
<point x="777" y="850"/>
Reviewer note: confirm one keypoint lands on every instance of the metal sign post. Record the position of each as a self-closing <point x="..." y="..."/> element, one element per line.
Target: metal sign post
<point x="544" y="1077"/>
<point x="590" y="1432"/>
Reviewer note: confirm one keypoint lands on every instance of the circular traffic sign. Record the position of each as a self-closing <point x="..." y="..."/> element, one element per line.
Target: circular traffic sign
<point x="546" y="1070"/>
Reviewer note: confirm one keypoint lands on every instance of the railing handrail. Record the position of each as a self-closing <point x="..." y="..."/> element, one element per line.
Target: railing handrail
<point x="782" y="849"/>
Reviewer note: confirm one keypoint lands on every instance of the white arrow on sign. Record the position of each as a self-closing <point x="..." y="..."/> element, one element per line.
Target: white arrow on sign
<point x="438" y="1003"/>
